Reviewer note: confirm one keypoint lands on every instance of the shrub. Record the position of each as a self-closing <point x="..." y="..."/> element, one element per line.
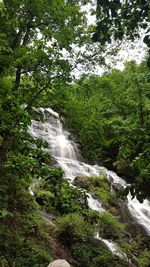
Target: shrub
<point x="90" y="254"/>
<point x="144" y="258"/>
<point x="109" y="226"/>
<point x="107" y="259"/>
<point x="103" y="195"/>
<point x="30" y="255"/>
<point x="73" y="227"/>
<point x="83" y="253"/>
<point x="70" y="199"/>
<point x="46" y="199"/>
<point x="52" y="179"/>
<point x="91" y="216"/>
<point x="92" y="182"/>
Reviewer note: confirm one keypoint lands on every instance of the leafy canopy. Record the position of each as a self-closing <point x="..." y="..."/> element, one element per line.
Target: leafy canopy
<point x="117" y="19"/>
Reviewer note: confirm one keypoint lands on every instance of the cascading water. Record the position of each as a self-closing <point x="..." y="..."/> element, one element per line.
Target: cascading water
<point x="68" y="156"/>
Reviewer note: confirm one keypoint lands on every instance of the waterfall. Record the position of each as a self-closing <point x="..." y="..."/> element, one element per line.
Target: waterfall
<point x="67" y="154"/>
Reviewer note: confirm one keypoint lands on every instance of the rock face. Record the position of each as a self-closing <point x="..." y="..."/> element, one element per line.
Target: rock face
<point x="116" y="187"/>
<point x="59" y="263"/>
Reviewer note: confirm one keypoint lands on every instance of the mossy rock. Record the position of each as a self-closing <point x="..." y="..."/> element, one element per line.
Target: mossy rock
<point x="92" y="182"/>
<point x="98" y="186"/>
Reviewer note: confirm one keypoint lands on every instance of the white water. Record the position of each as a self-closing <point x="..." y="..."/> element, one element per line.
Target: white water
<point x="113" y="248"/>
<point x="67" y="154"/>
<point x="94" y="204"/>
<point x="140" y="211"/>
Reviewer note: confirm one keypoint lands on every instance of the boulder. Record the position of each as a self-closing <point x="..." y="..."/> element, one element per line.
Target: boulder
<point x="116" y="187"/>
<point x="59" y="263"/>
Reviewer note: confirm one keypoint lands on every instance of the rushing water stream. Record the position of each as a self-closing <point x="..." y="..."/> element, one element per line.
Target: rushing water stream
<point x="67" y="154"/>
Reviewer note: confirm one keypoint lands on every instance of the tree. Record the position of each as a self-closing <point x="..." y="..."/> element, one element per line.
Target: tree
<point x="35" y="37"/>
<point x="116" y="19"/>
<point x="111" y="118"/>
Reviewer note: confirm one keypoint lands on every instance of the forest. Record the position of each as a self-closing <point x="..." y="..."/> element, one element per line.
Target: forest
<point x="43" y="44"/>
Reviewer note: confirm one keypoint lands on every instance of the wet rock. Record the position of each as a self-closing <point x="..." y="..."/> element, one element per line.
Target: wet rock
<point x="76" y="181"/>
<point x="82" y="182"/>
<point x="94" y="195"/>
<point x="132" y="227"/>
<point x="116" y="187"/>
<point x="83" y="202"/>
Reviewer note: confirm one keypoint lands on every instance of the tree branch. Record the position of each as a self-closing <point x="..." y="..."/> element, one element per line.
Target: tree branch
<point x="35" y="96"/>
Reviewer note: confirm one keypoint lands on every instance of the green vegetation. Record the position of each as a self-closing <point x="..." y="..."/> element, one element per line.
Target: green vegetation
<point x="78" y="234"/>
<point x="109" y="227"/>
<point x="73" y="227"/>
<point x="77" y="226"/>
<point x="56" y="195"/>
<point x="89" y="254"/>
<point x="33" y="35"/>
<point x="99" y="186"/>
<point x="109" y="116"/>
<point x="118" y="20"/>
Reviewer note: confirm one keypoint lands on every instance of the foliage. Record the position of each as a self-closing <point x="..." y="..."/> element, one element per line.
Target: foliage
<point x="37" y="42"/>
<point x="90" y="254"/>
<point x="111" y="115"/>
<point x="91" y="216"/>
<point x="110" y="227"/>
<point x="46" y="199"/>
<point x="34" y="36"/>
<point x="52" y="178"/>
<point x="19" y="234"/>
<point x="56" y="195"/>
<point x="106" y="259"/>
<point x="32" y="255"/>
<point x="78" y="233"/>
<point x="132" y="249"/>
<point x="69" y="199"/>
<point x="73" y="227"/>
<point x="144" y="258"/>
<point x="83" y="253"/>
<point x="16" y="251"/>
<point x="97" y="184"/>
<point x="118" y="19"/>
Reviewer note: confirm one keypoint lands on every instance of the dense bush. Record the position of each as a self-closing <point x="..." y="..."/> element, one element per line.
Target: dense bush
<point x="27" y="255"/>
<point x="56" y="195"/>
<point x="110" y="227"/>
<point x="99" y="185"/>
<point x="46" y="200"/>
<point x="73" y="227"/>
<point x="90" y="254"/>
<point x="70" y="199"/>
<point x="83" y="253"/>
<point x="30" y="255"/>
